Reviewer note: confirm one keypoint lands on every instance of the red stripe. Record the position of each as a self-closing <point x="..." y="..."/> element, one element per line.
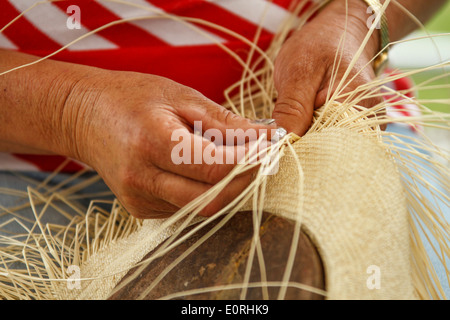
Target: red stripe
<point x="123" y="35"/>
<point x="404" y="84"/>
<point x="401" y="84"/>
<point x="286" y="4"/>
<point x="293" y="4"/>
<point x="197" y="67"/>
<point x="22" y="33"/>
<point x="49" y="163"/>
<point x="210" y="12"/>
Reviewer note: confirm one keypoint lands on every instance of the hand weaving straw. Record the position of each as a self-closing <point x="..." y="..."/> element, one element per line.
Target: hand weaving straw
<point x="353" y="188"/>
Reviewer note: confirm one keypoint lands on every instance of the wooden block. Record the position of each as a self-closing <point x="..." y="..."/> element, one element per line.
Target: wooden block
<point x="222" y="260"/>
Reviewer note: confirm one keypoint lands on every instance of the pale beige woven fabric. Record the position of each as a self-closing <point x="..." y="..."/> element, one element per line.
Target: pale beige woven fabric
<point x="349" y="199"/>
<point x="354" y="210"/>
<point x="110" y="264"/>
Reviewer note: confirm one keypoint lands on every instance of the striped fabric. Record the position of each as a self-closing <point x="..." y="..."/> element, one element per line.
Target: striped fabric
<point x="146" y="41"/>
<point x="400" y="107"/>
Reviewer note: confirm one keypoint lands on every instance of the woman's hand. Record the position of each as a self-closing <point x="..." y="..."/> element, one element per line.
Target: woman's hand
<point x="303" y="68"/>
<point x="123" y="125"/>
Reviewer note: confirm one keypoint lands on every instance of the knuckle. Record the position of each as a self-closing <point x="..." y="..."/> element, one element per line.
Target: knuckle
<point x="229" y="117"/>
<point x="142" y="209"/>
<point x="138" y="140"/>
<point x="226" y="115"/>
<point x="214" y="112"/>
<point x="288" y="106"/>
<point x="157" y="185"/>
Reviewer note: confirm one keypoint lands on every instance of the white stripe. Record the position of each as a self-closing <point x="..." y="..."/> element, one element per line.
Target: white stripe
<point x="398" y="115"/>
<point x="50" y="20"/>
<point x="394" y="114"/>
<point x="411" y="109"/>
<point x="171" y="31"/>
<point x="4" y="274"/>
<point x="258" y="12"/>
<point x="9" y="162"/>
<point x="421" y="53"/>
<point x="414" y="110"/>
<point x="5" y="43"/>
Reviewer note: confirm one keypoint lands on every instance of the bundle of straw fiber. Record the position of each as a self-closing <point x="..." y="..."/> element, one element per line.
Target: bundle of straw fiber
<point x="361" y="194"/>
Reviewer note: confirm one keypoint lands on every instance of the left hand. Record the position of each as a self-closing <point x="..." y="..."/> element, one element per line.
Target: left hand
<point x="304" y="66"/>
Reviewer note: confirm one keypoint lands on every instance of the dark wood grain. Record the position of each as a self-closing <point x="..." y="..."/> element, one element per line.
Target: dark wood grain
<point x="222" y="260"/>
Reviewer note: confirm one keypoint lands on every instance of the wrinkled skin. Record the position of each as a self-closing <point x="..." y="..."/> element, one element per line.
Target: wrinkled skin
<point x="120" y="123"/>
<point x="304" y="66"/>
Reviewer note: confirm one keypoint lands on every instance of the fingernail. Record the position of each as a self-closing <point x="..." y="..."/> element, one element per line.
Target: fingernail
<point x="264" y="122"/>
<point x="280" y="133"/>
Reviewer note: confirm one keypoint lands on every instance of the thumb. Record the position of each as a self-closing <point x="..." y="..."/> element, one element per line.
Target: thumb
<point x="294" y="108"/>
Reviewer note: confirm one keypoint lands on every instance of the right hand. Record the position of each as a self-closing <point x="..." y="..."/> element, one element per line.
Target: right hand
<point x="121" y="125"/>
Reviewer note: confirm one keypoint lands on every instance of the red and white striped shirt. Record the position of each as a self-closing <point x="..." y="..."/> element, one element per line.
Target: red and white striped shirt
<point x="186" y="52"/>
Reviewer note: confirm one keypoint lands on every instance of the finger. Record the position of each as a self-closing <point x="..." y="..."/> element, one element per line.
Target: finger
<point x="213" y="116"/>
<point x="297" y="87"/>
<point x="151" y="203"/>
<point x="196" y="157"/>
<point x="292" y="114"/>
<point x="180" y="191"/>
<point x="142" y="209"/>
<point x="143" y="205"/>
<point x="227" y="195"/>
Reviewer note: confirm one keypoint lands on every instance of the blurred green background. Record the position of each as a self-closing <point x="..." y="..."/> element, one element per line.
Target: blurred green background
<point x="420" y="53"/>
<point x="423" y="53"/>
<point x="442" y="20"/>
